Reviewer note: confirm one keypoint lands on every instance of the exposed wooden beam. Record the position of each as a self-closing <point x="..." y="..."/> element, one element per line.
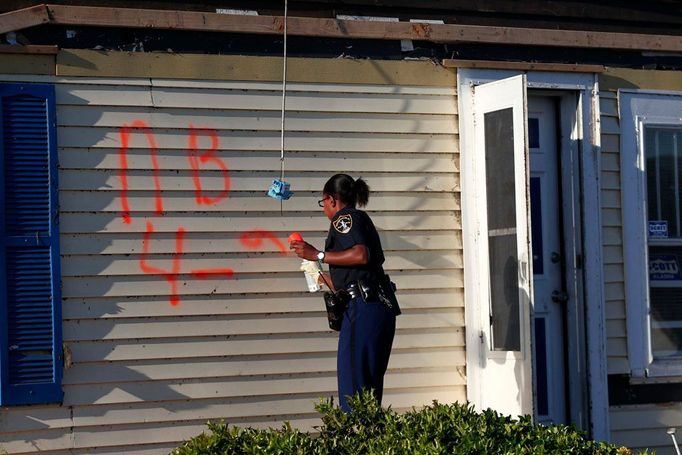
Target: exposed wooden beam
<point x="351" y="29"/>
<point x="30" y="49"/>
<point x="334" y="28"/>
<point x="23" y="18"/>
<point x="524" y="66"/>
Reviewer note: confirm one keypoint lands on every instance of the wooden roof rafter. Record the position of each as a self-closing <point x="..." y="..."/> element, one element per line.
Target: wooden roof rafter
<point x="330" y="28"/>
<point x="24" y="18"/>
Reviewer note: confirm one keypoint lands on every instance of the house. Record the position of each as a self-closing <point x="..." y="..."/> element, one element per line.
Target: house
<point x="525" y="176"/>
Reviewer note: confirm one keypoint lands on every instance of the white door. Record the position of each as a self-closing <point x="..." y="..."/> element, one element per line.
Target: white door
<point x="504" y="283"/>
<point x="549" y="297"/>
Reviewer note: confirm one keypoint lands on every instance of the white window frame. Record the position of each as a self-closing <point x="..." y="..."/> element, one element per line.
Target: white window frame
<point x="639" y="109"/>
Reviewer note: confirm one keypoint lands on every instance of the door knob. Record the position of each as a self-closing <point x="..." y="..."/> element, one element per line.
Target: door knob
<point x="559" y="297"/>
<point x="555" y="257"/>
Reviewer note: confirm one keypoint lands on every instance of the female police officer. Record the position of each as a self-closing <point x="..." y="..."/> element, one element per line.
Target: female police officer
<point x="353" y="252"/>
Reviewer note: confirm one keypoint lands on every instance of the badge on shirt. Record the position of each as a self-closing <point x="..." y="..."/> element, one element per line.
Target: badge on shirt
<point x="343" y="224"/>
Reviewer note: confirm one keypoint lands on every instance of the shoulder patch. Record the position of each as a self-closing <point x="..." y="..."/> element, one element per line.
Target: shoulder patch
<point x="343" y="224"/>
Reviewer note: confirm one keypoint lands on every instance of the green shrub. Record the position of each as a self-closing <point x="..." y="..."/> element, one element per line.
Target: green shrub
<point x="371" y="429"/>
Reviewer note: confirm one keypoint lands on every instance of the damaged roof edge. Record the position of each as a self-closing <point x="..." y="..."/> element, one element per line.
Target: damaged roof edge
<point x="330" y="28"/>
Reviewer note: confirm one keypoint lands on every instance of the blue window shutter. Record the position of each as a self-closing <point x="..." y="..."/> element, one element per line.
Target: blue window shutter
<point x="30" y="294"/>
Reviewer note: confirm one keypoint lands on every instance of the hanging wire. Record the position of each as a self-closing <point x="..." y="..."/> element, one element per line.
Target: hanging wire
<point x="284" y="101"/>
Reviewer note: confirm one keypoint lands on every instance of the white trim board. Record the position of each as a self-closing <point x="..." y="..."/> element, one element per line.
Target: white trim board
<point x="585" y="86"/>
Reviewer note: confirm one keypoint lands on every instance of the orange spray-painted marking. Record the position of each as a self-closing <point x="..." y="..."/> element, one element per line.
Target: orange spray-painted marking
<point x="124" y="133"/>
<point x="206" y="157"/>
<point x="171" y="276"/>
<point x="202" y="274"/>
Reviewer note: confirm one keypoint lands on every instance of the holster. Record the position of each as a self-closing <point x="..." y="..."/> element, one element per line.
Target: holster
<point x="335" y="303"/>
<point x="387" y="293"/>
<point x="383" y="292"/>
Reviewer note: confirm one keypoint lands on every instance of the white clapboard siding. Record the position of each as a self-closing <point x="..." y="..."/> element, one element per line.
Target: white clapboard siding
<point x="177" y="138"/>
<point x="150" y="436"/>
<point x="231" y="345"/>
<point x="99" y="265"/>
<point x="262" y="99"/>
<point x="322" y="384"/>
<point x="614" y="274"/>
<point x="261" y="160"/>
<point x="185" y="201"/>
<point x="254" y="348"/>
<point x="221" y="119"/>
<point x="219" y="242"/>
<point x="209" y="367"/>
<point x="280" y="302"/>
<point x="157" y="284"/>
<point x="113" y="329"/>
<point x="212" y="180"/>
<point x="230" y="408"/>
<point x="243" y="222"/>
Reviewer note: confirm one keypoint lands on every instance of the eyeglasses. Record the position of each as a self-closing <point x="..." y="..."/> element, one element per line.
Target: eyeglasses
<point x="321" y="201"/>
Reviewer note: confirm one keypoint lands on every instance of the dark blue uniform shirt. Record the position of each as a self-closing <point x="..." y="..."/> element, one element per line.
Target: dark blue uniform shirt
<point x="351" y="227"/>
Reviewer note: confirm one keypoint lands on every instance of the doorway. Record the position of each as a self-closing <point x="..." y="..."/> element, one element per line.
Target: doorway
<point x="550" y="295"/>
<point x="538" y="278"/>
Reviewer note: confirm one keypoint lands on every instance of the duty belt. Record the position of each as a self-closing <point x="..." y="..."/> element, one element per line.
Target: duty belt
<point x="354" y="290"/>
<point x="372" y="293"/>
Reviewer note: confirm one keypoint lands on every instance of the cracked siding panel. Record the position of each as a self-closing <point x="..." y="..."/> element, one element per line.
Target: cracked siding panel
<point x="254" y="348"/>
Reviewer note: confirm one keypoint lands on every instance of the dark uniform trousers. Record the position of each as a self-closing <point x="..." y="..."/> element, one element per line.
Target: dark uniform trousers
<point x="364" y="348"/>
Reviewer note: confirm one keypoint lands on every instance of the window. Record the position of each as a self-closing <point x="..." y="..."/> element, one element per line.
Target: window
<point x="30" y="312"/>
<point x="662" y="150"/>
<point x="651" y="169"/>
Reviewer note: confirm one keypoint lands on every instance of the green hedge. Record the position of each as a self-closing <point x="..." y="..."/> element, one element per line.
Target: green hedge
<point x="371" y="429"/>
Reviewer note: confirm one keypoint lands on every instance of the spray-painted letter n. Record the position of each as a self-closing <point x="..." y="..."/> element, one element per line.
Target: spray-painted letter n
<point x="125" y="133"/>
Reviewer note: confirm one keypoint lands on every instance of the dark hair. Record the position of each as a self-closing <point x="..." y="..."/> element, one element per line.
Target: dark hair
<point x="350" y="192"/>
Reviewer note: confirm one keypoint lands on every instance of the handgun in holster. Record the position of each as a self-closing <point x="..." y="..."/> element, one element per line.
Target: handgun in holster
<point x="387" y="295"/>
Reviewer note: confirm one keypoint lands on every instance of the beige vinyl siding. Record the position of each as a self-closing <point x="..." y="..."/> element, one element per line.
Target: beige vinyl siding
<point x="635" y="426"/>
<point x="644" y="426"/>
<point x="253" y="349"/>
<point x="612" y="234"/>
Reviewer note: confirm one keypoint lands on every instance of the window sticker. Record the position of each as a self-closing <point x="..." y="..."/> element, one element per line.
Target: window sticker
<point x="664" y="267"/>
<point x="658" y="229"/>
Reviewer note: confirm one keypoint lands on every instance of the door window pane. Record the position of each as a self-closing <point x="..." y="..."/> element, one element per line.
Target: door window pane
<point x="662" y="149"/>
<point x="536" y="224"/>
<point x="503" y="254"/>
<point x="533" y="132"/>
<point x="541" y="371"/>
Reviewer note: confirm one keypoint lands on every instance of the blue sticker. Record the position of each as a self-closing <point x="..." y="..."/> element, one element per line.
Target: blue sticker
<point x="664" y="267"/>
<point x="658" y="229"/>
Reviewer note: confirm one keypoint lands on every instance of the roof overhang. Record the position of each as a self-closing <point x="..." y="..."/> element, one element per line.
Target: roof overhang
<point x="330" y="28"/>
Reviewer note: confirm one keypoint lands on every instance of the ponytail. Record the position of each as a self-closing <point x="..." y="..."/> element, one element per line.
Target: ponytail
<point x="361" y="192"/>
<point x="349" y="191"/>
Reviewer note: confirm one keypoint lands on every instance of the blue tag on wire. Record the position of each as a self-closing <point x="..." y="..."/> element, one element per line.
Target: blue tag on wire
<point x="280" y="190"/>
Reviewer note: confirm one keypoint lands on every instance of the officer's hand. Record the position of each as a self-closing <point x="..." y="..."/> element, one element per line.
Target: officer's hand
<point x="304" y="250"/>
